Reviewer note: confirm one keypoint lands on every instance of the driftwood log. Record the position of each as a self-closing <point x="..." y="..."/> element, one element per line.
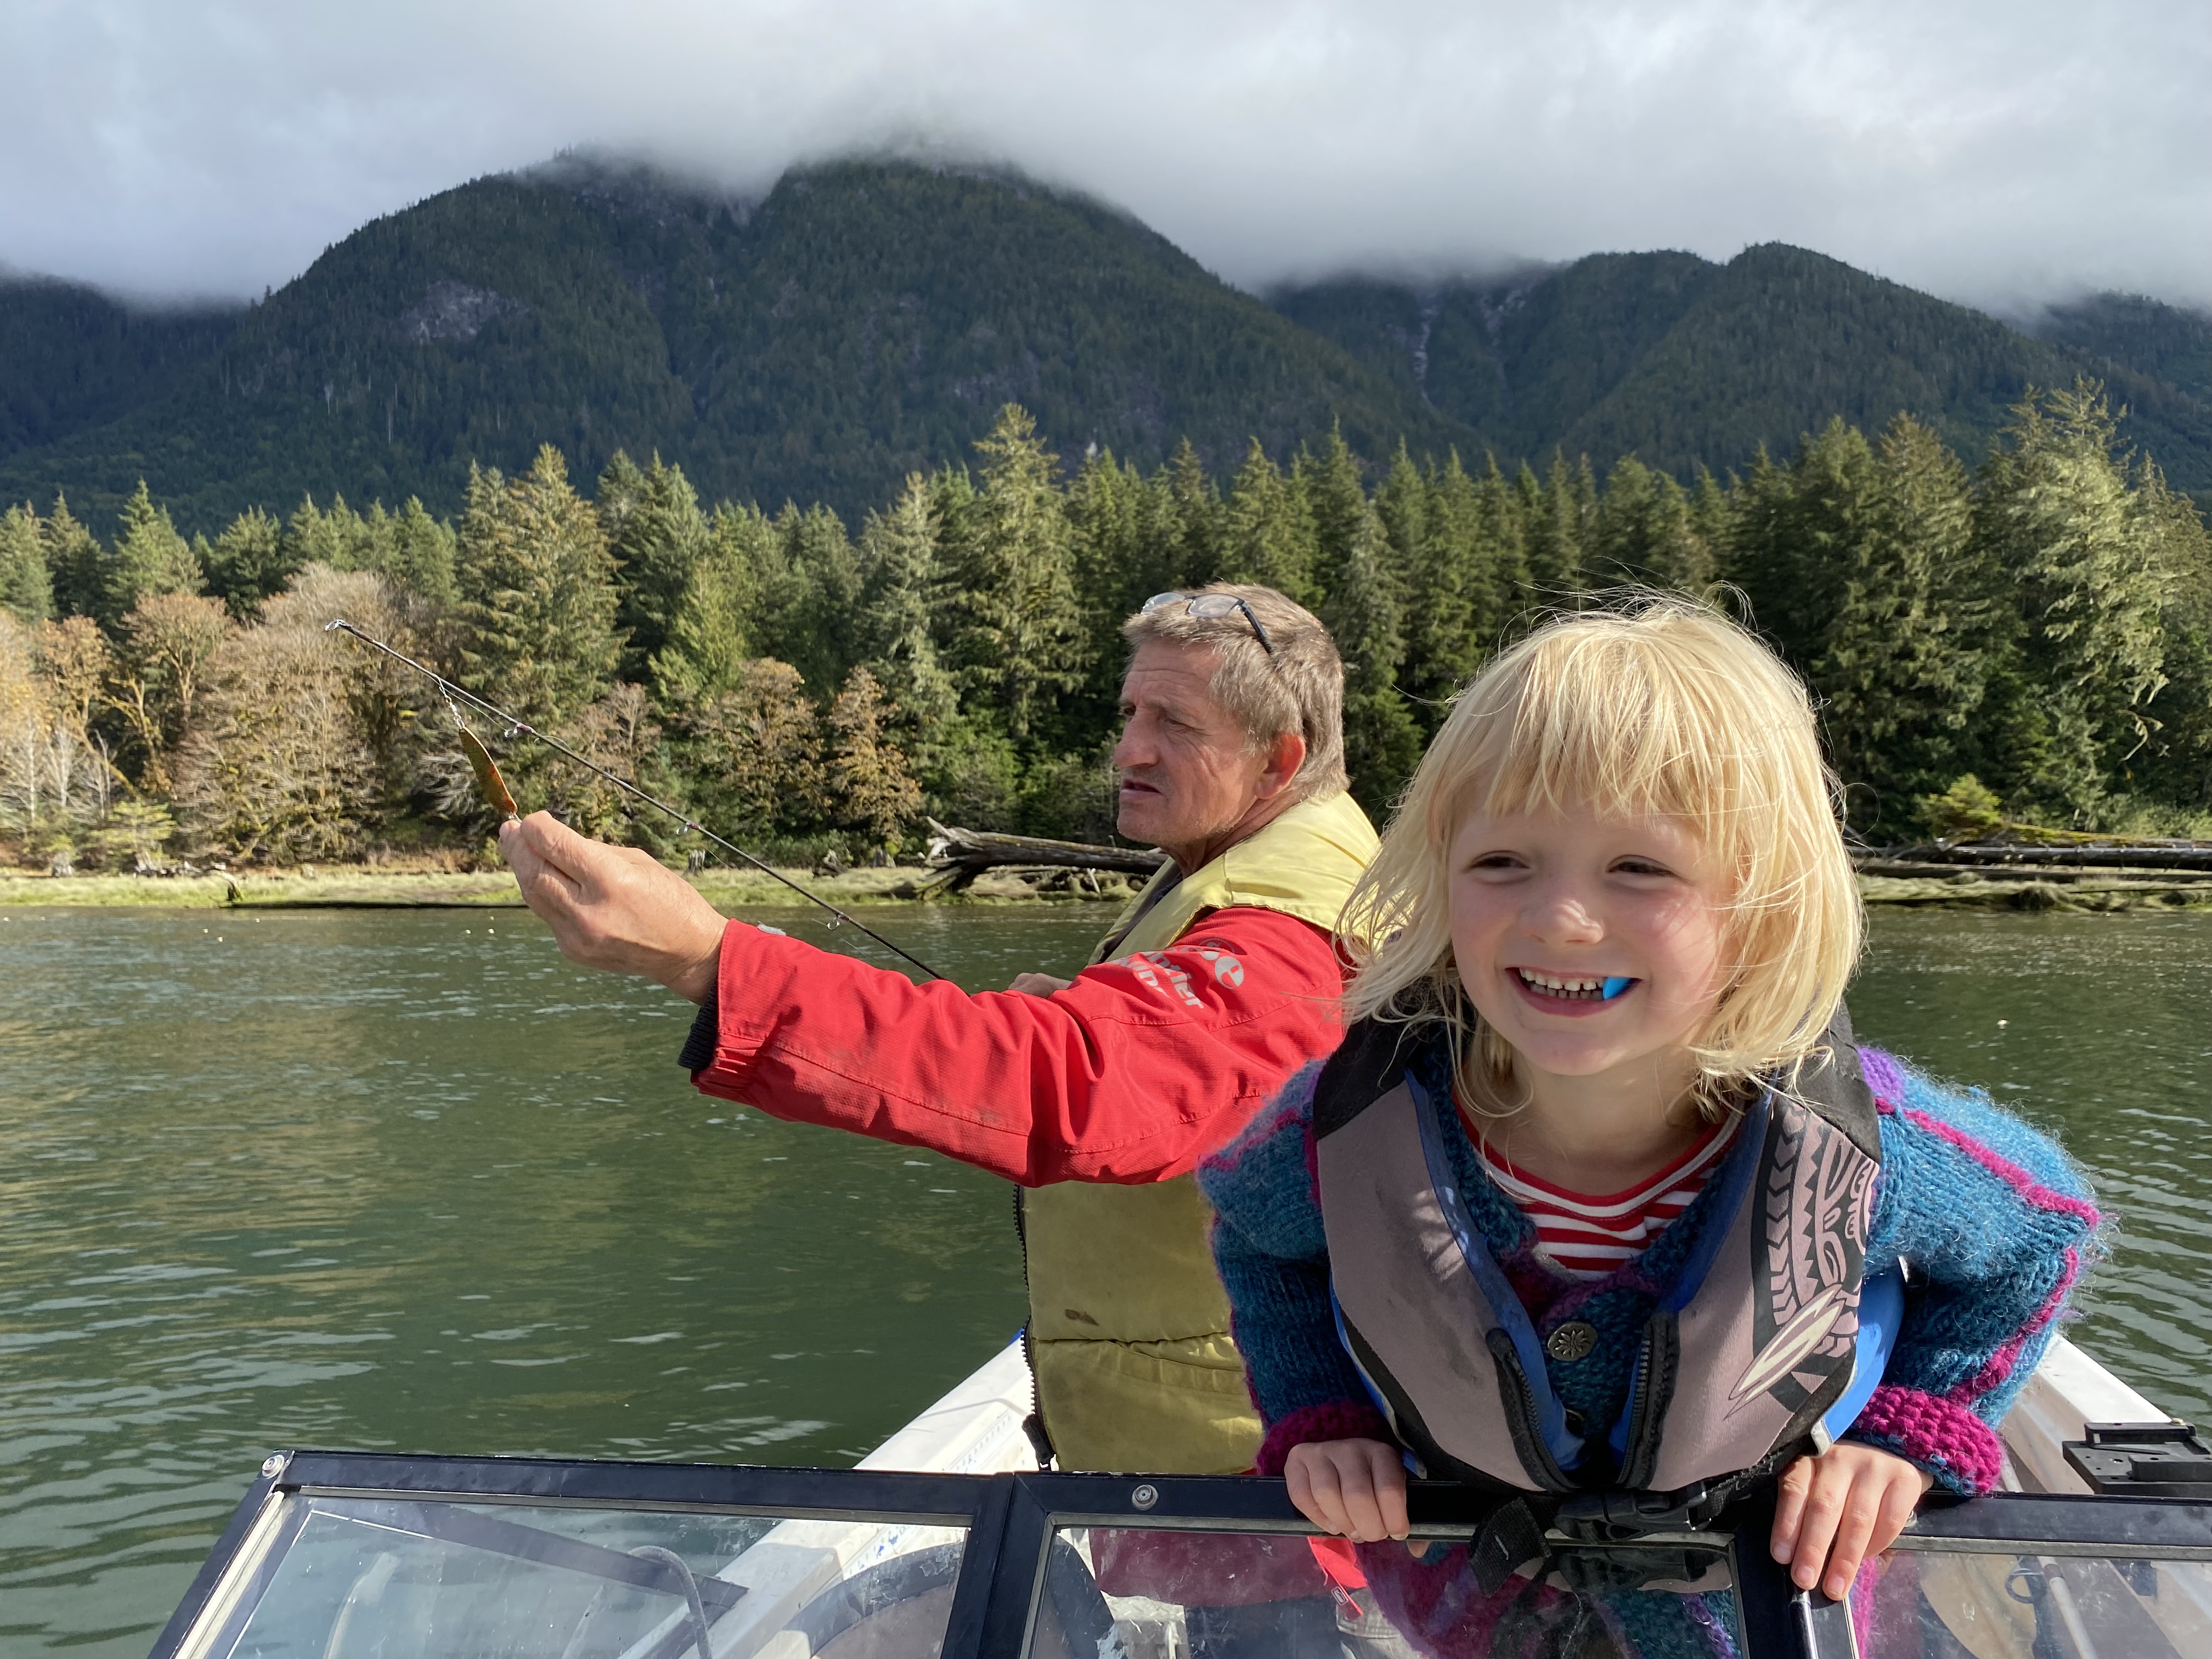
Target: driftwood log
<point x="2084" y="855"/>
<point x="961" y="855"/>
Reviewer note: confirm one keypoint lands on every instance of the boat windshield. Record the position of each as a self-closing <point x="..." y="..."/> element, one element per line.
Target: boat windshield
<point x="352" y="1557"/>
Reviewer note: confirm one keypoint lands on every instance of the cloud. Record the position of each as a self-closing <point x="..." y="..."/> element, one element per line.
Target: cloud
<point x="2001" y="151"/>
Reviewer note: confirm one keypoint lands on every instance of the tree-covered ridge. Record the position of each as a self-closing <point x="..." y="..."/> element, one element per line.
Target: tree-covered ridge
<point x="70" y="357"/>
<point x="861" y="321"/>
<point x="1682" y="363"/>
<point x="866" y="320"/>
<point x="2164" y="341"/>
<point x="2032" y="637"/>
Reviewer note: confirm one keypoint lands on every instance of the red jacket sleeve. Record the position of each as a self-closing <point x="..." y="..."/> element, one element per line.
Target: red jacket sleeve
<point x="1135" y="1072"/>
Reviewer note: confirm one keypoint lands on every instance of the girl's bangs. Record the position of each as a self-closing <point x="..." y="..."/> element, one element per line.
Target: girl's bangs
<point x="1610" y="724"/>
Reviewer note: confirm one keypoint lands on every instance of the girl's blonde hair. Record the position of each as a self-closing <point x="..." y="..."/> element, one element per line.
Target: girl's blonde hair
<point x="1648" y="706"/>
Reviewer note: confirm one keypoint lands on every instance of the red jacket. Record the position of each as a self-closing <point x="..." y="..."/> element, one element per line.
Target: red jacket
<point x="1132" y="1074"/>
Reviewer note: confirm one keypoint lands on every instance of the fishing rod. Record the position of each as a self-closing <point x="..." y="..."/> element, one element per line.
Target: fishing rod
<point x="515" y="724"/>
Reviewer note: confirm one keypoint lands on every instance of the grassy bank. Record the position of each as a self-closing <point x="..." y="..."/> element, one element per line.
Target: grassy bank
<point x="732" y="889"/>
<point x="340" y="888"/>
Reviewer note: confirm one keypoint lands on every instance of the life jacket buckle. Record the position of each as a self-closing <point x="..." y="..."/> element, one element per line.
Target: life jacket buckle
<point x="1615" y="1516"/>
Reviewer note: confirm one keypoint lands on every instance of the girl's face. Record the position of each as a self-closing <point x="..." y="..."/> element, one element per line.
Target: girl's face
<point x="1549" y="911"/>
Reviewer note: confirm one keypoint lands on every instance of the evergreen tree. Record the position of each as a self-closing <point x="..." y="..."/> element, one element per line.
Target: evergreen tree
<point x="417" y="552"/>
<point x="1708" y="515"/>
<point x="1506" y="589"/>
<point x="148" y="556"/>
<point x="1899" y="662"/>
<point x="814" y="628"/>
<point x="712" y="637"/>
<point x="1195" y="555"/>
<point x="1267" y="533"/>
<point x="2179" y="766"/>
<point x="537" y="608"/>
<point x="1017" y="643"/>
<point x="1382" y="740"/>
<point x="1116" y="568"/>
<point x="249" y="562"/>
<point x="2058" y="517"/>
<point x="1793" y="531"/>
<point x="1336" y="503"/>
<point x="658" y="536"/>
<point x="1557" y="515"/>
<point x="900" y="599"/>
<point x="1642" y="533"/>
<point x="1402" y="502"/>
<point x="74" y="561"/>
<point x="27" y="590"/>
<point x="341" y="540"/>
<point x="1431" y="519"/>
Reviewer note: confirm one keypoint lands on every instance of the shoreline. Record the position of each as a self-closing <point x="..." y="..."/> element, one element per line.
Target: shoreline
<point x="366" y="888"/>
<point x="348" y="888"/>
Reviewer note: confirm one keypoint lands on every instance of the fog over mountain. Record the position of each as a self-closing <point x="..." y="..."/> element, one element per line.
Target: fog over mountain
<point x="2006" y="154"/>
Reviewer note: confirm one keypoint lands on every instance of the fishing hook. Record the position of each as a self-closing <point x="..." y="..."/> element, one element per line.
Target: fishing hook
<point x="517" y="726"/>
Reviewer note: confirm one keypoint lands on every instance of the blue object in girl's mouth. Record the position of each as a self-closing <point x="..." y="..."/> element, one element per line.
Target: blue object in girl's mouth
<point x="1615" y="984"/>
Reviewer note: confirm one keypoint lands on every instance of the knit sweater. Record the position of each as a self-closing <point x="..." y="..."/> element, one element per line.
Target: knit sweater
<point x="1992" y="1219"/>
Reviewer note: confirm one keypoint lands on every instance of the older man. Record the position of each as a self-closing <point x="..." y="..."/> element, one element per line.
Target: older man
<point x="1101" y="1093"/>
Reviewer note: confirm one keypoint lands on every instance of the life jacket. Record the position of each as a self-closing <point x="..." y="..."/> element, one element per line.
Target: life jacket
<point x="1767" y="1343"/>
<point x="1128" y="1331"/>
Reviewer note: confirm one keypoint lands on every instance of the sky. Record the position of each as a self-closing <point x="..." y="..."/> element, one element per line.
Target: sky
<point x="2002" y="152"/>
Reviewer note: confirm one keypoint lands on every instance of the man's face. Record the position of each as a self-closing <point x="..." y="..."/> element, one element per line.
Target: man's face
<point x="1187" y="774"/>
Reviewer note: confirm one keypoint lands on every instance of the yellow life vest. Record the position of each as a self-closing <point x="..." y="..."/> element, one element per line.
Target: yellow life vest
<point x="1129" y="1327"/>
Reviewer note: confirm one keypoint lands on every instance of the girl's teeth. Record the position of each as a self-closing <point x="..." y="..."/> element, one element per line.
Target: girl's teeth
<point x="1558" y="986"/>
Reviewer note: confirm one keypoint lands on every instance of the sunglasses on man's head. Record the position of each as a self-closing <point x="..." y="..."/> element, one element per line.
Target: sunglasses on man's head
<point x="1213" y="607"/>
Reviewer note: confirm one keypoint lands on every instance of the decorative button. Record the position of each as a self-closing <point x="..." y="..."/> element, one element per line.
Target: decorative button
<point x="1571" y="1341"/>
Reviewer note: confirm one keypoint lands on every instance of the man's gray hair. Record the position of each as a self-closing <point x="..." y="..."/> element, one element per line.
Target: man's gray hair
<point x="1297" y="688"/>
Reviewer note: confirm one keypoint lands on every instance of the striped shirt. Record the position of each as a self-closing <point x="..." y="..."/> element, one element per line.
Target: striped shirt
<point x="1587" y="1237"/>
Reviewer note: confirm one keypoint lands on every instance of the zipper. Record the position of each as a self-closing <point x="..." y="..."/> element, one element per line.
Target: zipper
<point x="1033" y="1424"/>
<point x="1632" y="1472"/>
<point x="1644" y="1407"/>
<point x="1520" y="1416"/>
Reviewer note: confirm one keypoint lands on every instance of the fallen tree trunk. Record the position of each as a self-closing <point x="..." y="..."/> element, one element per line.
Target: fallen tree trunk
<point x="963" y="855"/>
<point x="2173" y="855"/>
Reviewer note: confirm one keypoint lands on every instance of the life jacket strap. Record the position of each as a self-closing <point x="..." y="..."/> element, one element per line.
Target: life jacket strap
<point x="1510" y="1536"/>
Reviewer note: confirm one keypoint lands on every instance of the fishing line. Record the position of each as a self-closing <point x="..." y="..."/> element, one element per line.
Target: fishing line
<point x="515" y="724"/>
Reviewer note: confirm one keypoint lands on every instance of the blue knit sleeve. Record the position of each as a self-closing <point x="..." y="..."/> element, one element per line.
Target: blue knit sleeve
<point x="1996" y="1224"/>
<point x="1273" y="1261"/>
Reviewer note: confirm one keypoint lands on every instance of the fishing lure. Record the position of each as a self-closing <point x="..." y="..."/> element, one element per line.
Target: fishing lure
<point x="490" y="784"/>
<point x="495" y="794"/>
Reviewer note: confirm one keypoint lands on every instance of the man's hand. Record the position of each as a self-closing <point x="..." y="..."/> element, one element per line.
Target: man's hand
<point x="1355" y="1488"/>
<point x="1847" y="1503"/>
<point x="615" y="908"/>
<point x="1038" y="985"/>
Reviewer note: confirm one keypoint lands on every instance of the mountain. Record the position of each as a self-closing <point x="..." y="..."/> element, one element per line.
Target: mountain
<point x="2165" y="342"/>
<point x="71" y="357"/>
<point x="1681" y="360"/>
<point x="863" y="319"/>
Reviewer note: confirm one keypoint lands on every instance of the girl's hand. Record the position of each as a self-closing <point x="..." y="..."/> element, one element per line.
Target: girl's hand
<point x="1849" y="1503"/>
<point x="1356" y="1488"/>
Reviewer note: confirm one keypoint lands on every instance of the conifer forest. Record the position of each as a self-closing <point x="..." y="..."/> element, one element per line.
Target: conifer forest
<point x="2031" y="639"/>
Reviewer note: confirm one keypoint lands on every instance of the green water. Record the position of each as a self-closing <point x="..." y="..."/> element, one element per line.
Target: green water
<point x="408" y="1180"/>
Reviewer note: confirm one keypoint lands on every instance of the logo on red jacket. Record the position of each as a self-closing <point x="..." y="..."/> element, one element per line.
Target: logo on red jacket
<point x="1142" y="962"/>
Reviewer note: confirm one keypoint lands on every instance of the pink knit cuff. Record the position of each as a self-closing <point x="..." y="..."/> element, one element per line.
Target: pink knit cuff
<point x="1339" y="1420"/>
<point x="1948" y="1441"/>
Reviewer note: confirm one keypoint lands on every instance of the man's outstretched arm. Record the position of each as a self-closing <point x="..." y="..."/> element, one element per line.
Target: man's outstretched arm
<point x="1132" y="1073"/>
